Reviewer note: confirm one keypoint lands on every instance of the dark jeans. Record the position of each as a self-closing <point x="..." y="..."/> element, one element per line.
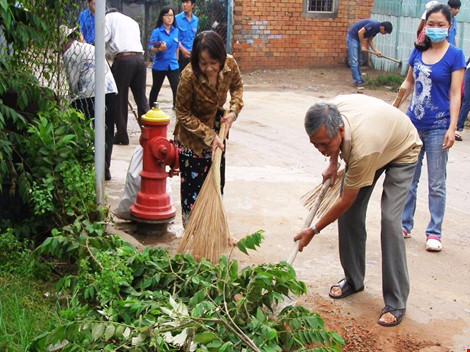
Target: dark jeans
<point x="129" y="72"/>
<point x="158" y="78"/>
<point x="87" y="106"/>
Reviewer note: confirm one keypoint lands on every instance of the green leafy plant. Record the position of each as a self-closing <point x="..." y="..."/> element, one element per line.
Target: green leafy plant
<point x="125" y="299"/>
<point x="53" y="174"/>
<point x="17" y="257"/>
<point x="14" y="255"/>
<point x="46" y="150"/>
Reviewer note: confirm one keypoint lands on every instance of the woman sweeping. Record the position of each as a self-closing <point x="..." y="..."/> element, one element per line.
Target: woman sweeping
<point x="164" y="44"/>
<point x="202" y="92"/>
<point x="435" y="73"/>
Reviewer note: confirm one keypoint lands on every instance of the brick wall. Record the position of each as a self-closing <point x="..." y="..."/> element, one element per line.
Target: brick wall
<point x="275" y="34"/>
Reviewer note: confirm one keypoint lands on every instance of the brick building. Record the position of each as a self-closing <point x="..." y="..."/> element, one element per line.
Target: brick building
<point x="293" y="33"/>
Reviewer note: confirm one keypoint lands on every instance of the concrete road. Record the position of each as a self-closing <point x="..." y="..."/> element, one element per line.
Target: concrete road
<point x="270" y="165"/>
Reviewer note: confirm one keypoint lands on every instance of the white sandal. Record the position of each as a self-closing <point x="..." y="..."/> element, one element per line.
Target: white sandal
<point x="433" y="245"/>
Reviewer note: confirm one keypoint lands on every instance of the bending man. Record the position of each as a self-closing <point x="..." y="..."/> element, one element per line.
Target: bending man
<point x="359" y="38"/>
<point x="372" y="137"/>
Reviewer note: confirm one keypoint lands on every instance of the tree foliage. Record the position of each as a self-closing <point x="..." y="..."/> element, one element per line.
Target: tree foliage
<point x="122" y="299"/>
<point x="46" y="149"/>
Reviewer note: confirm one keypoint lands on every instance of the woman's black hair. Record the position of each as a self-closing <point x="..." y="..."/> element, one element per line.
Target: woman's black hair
<point x="164" y="11"/>
<point x="213" y="44"/>
<point x="445" y="9"/>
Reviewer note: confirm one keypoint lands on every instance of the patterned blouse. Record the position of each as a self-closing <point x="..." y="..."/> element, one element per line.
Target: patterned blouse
<point x="197" y="104"/>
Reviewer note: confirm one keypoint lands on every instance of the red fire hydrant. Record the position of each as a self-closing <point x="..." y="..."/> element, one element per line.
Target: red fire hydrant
<point x="153" y="204"/>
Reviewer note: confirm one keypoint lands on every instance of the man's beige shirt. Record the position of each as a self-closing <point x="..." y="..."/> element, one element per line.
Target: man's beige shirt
<point x="376" y="134"/>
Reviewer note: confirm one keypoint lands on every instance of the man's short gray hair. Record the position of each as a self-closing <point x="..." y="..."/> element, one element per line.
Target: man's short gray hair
<point x="323" y="113"/>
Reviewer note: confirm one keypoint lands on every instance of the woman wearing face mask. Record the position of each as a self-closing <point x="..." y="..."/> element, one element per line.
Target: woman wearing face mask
<point x="202" y="93"/>
<point x="435" y="74"/>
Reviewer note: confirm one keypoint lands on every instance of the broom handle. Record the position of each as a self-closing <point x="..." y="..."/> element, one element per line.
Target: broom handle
<point x="309" y="218"/>
<point x="385" y="57"/>
<point x="218" y="156"/>
<point x="401" y="93"/>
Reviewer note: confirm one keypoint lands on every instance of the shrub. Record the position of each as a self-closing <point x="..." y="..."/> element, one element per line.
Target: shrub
<point x="124" y="299"/>
<point x="46" y="150"/>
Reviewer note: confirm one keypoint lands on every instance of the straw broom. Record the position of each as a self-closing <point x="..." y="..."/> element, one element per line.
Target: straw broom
<point x="207" y="233"/>
<point x="329" y="198"/>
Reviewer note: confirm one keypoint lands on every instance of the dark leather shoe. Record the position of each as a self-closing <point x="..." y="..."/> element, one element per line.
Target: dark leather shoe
<point x="346" y="289"/>
<point x="121" y="140"/>
<point x="107" y="175"/>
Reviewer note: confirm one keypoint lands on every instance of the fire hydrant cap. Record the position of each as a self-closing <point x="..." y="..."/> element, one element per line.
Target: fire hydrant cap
<point x="155" y="115"/>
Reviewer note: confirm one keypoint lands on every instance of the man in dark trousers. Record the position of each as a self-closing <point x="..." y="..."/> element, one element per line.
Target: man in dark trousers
<point x="359" y="38"/>
<point x="347" y="127"/>
<point x="122" y="37"/>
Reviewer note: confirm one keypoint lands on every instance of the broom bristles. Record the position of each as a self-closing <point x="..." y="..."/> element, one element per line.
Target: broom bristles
<point x="330" y="197"/>
<point x="206" y="234"/>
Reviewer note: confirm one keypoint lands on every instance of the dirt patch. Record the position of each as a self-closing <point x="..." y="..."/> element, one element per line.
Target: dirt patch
<point x="361" y="334"/>
<point x="323" y="82"/>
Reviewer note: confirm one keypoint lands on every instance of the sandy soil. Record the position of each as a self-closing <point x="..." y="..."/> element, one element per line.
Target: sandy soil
<point x="270" y="165"/>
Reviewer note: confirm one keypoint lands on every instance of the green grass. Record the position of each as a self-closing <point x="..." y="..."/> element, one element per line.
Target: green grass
<point x="391" y="80"/>
<point x="24" y="311"/>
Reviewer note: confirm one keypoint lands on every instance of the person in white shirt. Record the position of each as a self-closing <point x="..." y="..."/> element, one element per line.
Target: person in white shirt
<point x="122" y="38"/>
<point x="79" y="63"/>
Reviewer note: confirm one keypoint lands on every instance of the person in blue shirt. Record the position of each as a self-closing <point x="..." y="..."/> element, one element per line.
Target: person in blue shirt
<point x="359" y="38"/>
<point x="435" y="74"/>
<point x="164" y="43"/>
<point x="86" y="21"/>
<point x="454" y="8"/>
<point x="465" y="108"/>
<point x="187" y="24"/>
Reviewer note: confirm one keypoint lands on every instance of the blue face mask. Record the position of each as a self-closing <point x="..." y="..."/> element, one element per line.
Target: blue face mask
<point x="437" y="35"/>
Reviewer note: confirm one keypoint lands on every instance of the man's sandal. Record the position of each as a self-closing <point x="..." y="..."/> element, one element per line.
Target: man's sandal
<point x="397" y="313"/>
<point x="346" y="289"/>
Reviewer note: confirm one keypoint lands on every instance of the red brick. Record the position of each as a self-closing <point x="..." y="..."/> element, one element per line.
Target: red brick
<point x="300" y="41"/>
